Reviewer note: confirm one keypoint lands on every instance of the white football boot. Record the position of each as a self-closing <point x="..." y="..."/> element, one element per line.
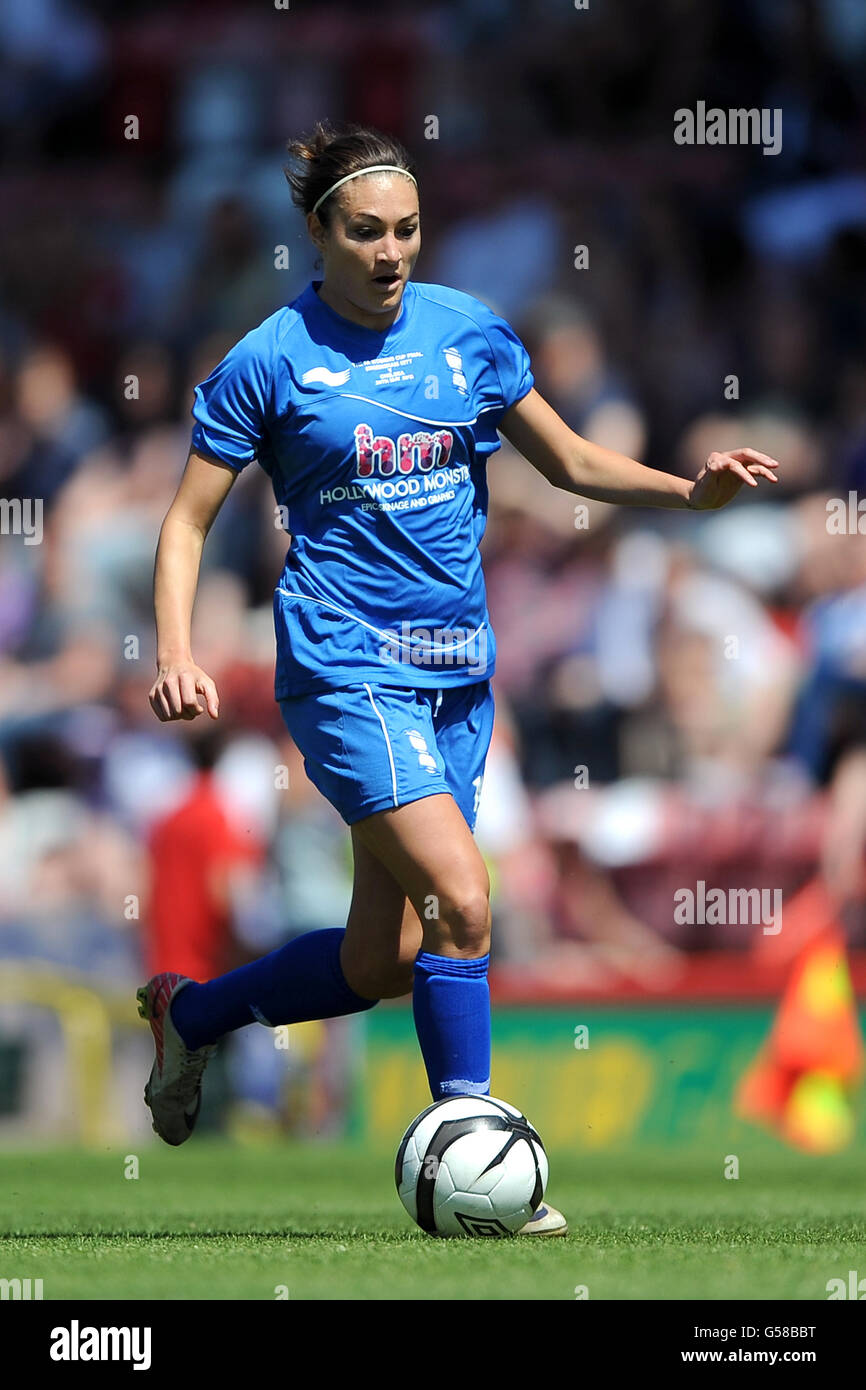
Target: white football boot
<point x="546" y="1221"/>
<point x="173" y="1091"/>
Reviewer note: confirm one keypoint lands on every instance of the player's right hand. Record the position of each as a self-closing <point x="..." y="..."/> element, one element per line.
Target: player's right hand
<point x="183" y="690"/>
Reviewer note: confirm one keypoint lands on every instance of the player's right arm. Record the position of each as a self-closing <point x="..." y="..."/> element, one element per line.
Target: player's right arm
<point x="181" y="685"/>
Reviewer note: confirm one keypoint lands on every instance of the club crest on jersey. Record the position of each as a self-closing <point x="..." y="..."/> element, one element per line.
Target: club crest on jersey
<point x="326" y="377"/>
<point x="455" y="362"/>
<point x="378" y="454"/>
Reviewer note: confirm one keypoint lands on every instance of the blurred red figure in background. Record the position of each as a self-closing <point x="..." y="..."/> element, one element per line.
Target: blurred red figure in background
<point x="197" y="855"/>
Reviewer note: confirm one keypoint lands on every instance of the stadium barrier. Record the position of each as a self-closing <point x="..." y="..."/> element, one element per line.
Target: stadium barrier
<point x="592" y="1070"/>
<point x="87" y="1015"/>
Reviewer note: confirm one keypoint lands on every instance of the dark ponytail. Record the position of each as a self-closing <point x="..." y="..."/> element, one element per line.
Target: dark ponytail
<point x="328" y="154"/>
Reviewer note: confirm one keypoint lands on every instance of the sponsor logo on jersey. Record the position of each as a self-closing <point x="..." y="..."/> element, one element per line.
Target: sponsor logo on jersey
<point x="326" y="377"/>
<point x="422" y="450"/>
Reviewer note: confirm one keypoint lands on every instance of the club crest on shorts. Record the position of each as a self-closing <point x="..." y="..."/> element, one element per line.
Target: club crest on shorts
<point x="419" y="743"/>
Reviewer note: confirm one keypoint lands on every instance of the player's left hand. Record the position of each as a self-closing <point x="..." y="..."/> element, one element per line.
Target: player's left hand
<point x="723" y="475"/>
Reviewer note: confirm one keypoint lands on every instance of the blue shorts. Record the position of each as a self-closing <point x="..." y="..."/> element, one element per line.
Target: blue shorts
<point x="370" y="747"/>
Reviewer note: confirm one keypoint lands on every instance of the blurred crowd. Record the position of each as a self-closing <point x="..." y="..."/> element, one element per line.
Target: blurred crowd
<point x="679" y="697"/>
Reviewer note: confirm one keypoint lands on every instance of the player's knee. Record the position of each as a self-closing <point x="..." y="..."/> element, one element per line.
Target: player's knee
<point x="464" y="923"/>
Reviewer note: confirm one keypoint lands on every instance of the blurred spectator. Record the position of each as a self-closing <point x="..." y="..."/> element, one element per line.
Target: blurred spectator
<point x="57" y="426"/>
<point x="199" y="856"/>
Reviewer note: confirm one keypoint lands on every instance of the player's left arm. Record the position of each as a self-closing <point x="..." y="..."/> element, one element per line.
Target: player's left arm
<point x="577" y="465"/>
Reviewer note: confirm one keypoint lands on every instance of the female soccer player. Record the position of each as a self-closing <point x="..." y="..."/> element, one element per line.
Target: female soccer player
<point x="373" y="403"/>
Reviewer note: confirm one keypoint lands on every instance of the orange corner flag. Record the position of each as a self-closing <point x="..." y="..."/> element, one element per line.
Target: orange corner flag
<point x="800" y="1084"/>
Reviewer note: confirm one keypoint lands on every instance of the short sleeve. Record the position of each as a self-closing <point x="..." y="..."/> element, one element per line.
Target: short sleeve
<point x="510" y="358"/>
<point x="231" y="405"/>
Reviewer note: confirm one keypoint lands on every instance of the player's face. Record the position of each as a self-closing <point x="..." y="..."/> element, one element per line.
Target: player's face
<point x="370" y="248"/>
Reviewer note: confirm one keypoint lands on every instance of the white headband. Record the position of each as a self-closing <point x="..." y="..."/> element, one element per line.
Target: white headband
<point x="372" y="169"/>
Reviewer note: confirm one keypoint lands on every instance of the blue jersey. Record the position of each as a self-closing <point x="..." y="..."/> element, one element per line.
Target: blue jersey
<point x="376" y="444"/>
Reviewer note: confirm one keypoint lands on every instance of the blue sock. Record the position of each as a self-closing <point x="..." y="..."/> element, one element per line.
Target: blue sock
<point x="300" y="981"/>
<point x="451" y="1003"/>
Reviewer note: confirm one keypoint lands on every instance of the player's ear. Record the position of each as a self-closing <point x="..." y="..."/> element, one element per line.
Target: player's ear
<point x="316" y="230"/>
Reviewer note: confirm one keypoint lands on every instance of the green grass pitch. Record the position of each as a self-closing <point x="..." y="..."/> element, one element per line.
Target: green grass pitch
<point x="216" y="1220"/>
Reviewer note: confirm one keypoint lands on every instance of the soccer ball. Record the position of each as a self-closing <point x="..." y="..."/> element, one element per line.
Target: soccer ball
<point x="471" y="1166"/>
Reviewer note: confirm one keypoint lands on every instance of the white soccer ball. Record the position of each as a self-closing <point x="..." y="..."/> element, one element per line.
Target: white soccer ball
<point x="471" y="1166"/>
